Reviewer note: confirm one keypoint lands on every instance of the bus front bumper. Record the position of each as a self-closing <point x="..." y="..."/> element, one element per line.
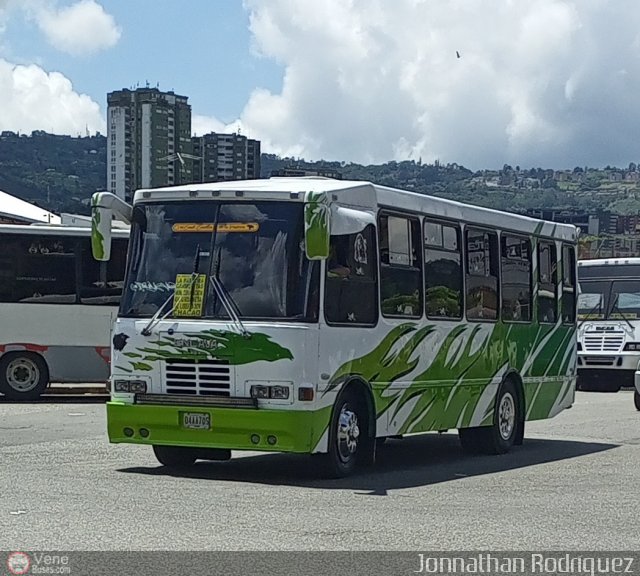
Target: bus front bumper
<point x="626" y="361"/>
<point x="232" y="428"/>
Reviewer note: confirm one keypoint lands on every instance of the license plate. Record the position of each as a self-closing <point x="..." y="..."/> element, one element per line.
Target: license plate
<point x="196" y="420"/>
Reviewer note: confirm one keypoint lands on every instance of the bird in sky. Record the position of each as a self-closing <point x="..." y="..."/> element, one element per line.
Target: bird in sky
<point x="457" y="54"/>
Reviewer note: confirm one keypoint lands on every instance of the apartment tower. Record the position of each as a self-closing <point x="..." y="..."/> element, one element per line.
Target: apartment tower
<point x="225" y="157"/>
<point x="148" y="140"/>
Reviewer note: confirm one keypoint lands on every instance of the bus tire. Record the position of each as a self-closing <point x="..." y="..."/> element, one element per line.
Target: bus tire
<point x="348" y="435"/>
<point x="636" y="399"/>
<point x="174" y="456"/>
<point x="503" y="433"/>
<point x="215" y="454"/>
<point x="23" y="375"/>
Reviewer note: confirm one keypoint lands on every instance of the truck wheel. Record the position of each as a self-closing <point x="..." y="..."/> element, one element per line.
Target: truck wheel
<point x="636" y="399"/>
<point x="23" y="375"/>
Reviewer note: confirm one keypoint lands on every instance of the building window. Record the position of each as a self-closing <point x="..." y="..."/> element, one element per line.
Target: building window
<point x="568" y="284"/>
<point x="351" y="279"/>
<point x="400" y="266"/>
<point x="547" y="282"/>
<point x="442" y="270"/>
<point x="482" y="275"/>
<point x="516" y="278"/>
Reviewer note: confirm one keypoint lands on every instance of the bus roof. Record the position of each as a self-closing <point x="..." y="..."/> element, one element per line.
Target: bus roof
<point x="610" y="262"/>
<point x="364" y="195"/>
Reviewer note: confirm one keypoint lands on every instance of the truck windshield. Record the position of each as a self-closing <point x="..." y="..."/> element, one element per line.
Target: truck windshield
<point x="609" y="300"/>
<point x="592" y="301"/>
<point x="255" y="250"/>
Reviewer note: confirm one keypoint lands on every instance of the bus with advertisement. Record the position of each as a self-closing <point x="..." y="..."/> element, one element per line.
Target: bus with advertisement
<point x="320" y="316"/>
<point x="57" y="305"/>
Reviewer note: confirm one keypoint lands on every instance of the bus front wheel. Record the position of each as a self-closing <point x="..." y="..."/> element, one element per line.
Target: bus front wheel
<point x="174" y="456"/>
<point x="636" y="399"/>
<point x="23" y="375"/>
<point x="503" y="433"/>
<point x="348" y="435"/>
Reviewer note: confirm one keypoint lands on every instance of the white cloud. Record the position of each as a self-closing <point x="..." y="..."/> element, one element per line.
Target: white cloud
<point x="540" y="83"/>
<point x="201" y="125"/>
<point x="33" y="99"/>
<point x="80" y="29"/>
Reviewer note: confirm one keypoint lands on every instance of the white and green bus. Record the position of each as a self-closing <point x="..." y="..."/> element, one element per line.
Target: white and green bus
<point x="321" y="316"/>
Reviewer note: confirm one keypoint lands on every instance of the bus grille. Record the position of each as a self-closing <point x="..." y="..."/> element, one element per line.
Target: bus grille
<point x="603" y="342"/>
<point x="197" y="377"/>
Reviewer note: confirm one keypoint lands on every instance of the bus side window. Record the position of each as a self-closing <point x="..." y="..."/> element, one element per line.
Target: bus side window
<point x="400" y="266"/>
<point x="516" y="278"/>
<point x="42" y="269"/>
<point x="568" y="284"/>
<point x="482" y="274"/>
<point x="351" y="279"/>
<point x="547" y="282"/>
<point x="442" y="270"/>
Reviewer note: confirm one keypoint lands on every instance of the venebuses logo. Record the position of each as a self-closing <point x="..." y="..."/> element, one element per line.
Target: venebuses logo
<point x="18" y="563"/>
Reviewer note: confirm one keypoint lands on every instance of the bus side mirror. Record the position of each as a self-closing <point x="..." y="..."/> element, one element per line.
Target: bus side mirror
<point x="317" y="216"/>
<point x="101" y="232"/>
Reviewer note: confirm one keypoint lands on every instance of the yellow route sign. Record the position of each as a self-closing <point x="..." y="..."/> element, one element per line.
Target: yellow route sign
<point x="222" y="227"/>
<point x="189" y="295"/>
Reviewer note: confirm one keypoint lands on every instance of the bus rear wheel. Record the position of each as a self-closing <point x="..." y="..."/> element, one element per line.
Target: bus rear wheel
<point x="636" y="399"/>
<point x="503" y="433"/>
<point x="174" y="456"/>
<point x="23" y="375"/>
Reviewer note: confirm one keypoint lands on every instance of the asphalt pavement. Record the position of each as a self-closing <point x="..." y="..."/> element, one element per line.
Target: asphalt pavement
<point x="573" y="485"/>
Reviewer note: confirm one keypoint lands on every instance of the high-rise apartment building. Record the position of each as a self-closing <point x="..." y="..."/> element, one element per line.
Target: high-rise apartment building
<point x="225" y="157"/>
<point x="148" y="140"/>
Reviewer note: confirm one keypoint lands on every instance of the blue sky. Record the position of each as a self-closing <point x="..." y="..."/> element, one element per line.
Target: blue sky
<point x="542" y="83"/>
<point x="199" y="48"/>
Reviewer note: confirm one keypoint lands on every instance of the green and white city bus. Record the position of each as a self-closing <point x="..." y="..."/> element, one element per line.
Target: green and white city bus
<point x="316" y="316"/>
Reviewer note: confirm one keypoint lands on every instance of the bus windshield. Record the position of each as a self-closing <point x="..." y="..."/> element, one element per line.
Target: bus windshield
<point x="255" y="251"/>
<point x="609" y="300"/>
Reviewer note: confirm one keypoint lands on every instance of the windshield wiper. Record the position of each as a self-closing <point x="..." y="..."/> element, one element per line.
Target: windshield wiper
<point x="157" y="317"/>
<point x="615" y="306"/>
<point x="222" y="293"/>
<point x="591" y="311"/>
<point x="228" y="303"/>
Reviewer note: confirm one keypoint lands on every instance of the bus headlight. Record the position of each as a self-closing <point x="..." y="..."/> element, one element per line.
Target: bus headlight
<point x="270" y="391"/>
<point x="259" y="391"/>
<point x="130" y="386"/>
<point x="632" y="347"/>
<point x="279" y="392"/>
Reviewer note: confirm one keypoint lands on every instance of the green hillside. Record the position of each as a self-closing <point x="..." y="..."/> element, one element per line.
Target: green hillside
<point x="61" y="172"/>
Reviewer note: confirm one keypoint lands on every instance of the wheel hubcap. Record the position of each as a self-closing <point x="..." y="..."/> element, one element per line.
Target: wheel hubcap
<point x="22" y="375"/>
<point x="507" y="416"/>
<point x="348" y="433"/>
